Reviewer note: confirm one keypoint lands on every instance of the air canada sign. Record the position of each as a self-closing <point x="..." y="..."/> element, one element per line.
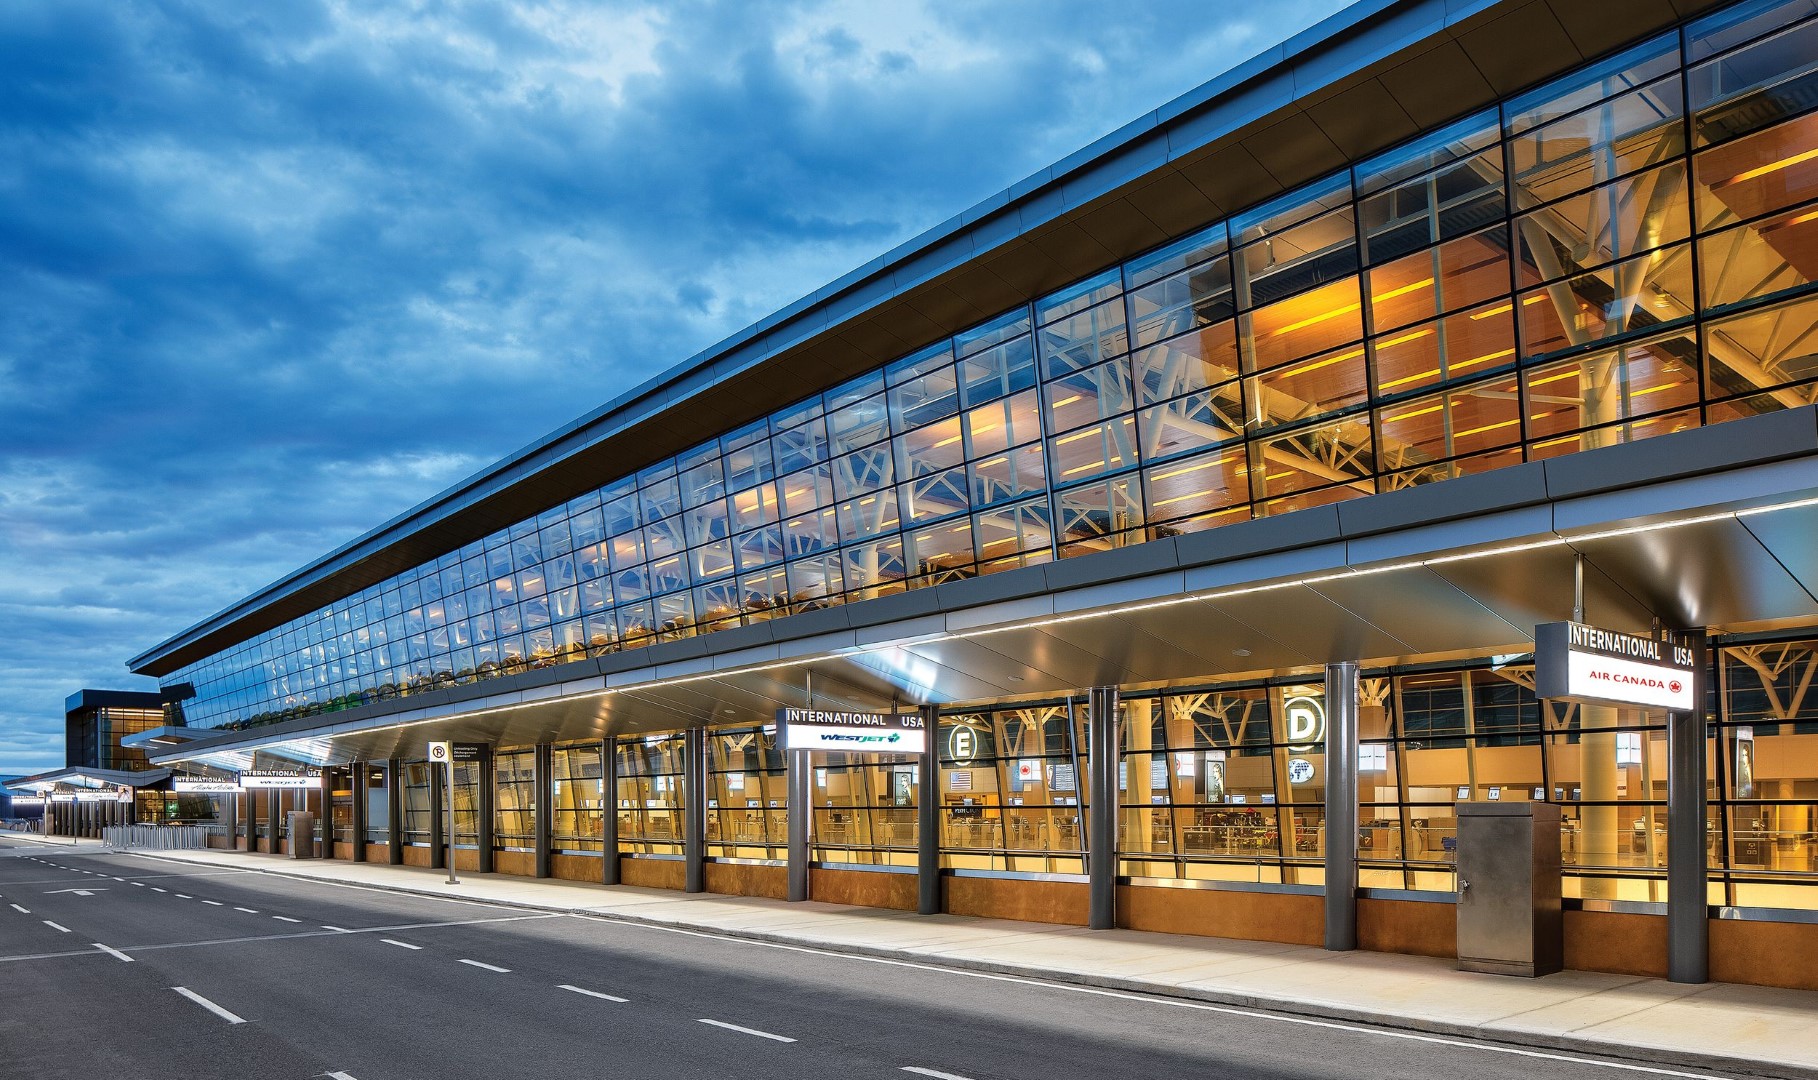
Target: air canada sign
<point x="1575" y="662"/>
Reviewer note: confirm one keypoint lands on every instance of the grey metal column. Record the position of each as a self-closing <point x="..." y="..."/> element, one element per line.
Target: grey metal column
<point x="928" y="818"/>
<point x="394" y="809"/>
<point x="1101" y="826"/>
<point x="1341" y="805"/>
<point x="1688" y="922"/>
<point x="248" y="819"/>
<point x="694" y="810"/>
<point x="609" y="811"/>
<point x="360" y="788"/>
<point x="438" y="795"/>
<point x="483" y="811"/>
<point x="543" y="804"/>
<point x="798" y="774"/>
<point x="274" y="815"/>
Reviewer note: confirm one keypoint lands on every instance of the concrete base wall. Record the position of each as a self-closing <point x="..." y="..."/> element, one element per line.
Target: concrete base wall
<point x="416" y="856"/>
<point x="573" y="868"/>
<point x="1063" y="902"/>
<point x="1293" y="919"/>
<point x="859" y="888"/>
<point x="737" y="879"/>
<point x="1405" y="926"/>
<point x="654" y="873"/>
<point x="1764" y="953"/>
<point x="515" y="863"/>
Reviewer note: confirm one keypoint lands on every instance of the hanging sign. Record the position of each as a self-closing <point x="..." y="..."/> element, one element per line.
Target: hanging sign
<point x="1575" y="662"/>
<point x="203" y="785"/>
<point x="272" y="779"/>
<point x="860" y="732"/>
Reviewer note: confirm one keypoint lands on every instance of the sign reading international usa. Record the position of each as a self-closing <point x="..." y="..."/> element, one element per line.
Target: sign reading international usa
<point x="854" y="732"/>
<point x="1575" y="662"/>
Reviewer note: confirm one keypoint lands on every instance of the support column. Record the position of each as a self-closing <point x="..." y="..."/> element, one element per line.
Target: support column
<point x="542" y="803"/>
<point x="1101" y="827"/>
<point x="1341" y="805"/>
<point x="694" y="810"/>
<point x="928" y="818"/>
<point x="248" y="799"/>
<point x="484" y="801"/>
<point x="394" y="809"/>
<point x="798" y="777"/>
<point x="438" y="840"/>
<point x="274" y="816"/>
<point x="1688" y="922"/>
<point x="360" y="786"/>
<point x="609" y="811"/>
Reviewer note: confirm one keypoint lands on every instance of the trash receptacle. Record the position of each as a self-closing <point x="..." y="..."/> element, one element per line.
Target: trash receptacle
<point x="302" y="826"/>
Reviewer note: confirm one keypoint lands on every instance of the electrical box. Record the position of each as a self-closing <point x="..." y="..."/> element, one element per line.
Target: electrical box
<point x="1509" y="913"/>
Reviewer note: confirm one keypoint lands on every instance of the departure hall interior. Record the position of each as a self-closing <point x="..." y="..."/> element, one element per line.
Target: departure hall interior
<point x="1618" y="254"/>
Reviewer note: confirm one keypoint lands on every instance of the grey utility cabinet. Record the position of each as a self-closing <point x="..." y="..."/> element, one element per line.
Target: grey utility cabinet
<point x="1509" y="917"/>
<point x="302" y="828"/>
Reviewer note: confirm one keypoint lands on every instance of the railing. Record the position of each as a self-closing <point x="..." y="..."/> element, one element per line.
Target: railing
<point x="155" y="837"/>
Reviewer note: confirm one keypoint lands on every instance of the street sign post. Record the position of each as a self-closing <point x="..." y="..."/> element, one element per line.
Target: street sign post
<point x="442" y="754"/>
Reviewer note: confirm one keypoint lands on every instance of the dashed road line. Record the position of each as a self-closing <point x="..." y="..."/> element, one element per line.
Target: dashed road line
<point x="20" y="910"/>
<point x="115" y="953"/>
<point x="488" y="967"/>
<point x="249" y="911"/>
<point x="214" y="903"/>
<point x="56" y="926"/>
<point x="936" y="1073"/>
<point x="746" y="1030"/>
<point x="402" y="944"/>
<point x="337" y="929"/>
<point x="286" y="918"/>
<point x="209" y="1005"/>
<point x="589" y="993"/>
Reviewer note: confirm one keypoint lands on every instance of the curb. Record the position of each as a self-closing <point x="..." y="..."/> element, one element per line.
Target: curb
<point x="1292" y="1007"/>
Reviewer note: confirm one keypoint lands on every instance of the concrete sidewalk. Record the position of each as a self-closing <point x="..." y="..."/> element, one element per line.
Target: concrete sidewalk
<point x="1720" y="1027"/>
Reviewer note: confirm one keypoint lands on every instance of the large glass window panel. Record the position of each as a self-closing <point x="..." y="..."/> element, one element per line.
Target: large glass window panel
<point x="1010" y="792"/>
<point x="1616" y="221"/>
<point x="858" y="424"/>
<point x="514" y="787"/>
<point x="925" y="399"/>
<point x="755" y="506"/>
<point x="1414" y="211"/>
<point x="1189" y="299"/>
<point x="1008" y="475"/>
<point x="868" y="516"/>
<point x="1083" y="339"/>
<point x="936" y="495"/>
<point x="1768" y="171"/>
<point x="748" y="818"/>
<point x="759" y="547"/>
<point x="1194" y="361"/>
<point x="862" y="473"/>
<point x="1770" y="354"/>
<point x="1308" y="389"/>
<point x="578" y="803"/>
<point x="800" y="447"/>
<point x="764" y="595"/>
<point x="816" y="581"/>
<point x="1198" y="492"/>
<point x="810" y="532"/>
<point x="1593" y="83"/>
<point x="807" y="490"/>
<point x="1313" y="323"/>
<point x="942" y="553"/>
<point x="747" y="455"/>
<point x="1002" y="369"/>
<point x="1418" y="435"/>
<point x="1077" y="298"/>
<point x="874" y="567"/>
<point x="1298" y="258"/>
<point x="1292" y="208"/>
<point x="1099" y="516"/>
<point x="650" y="794"/>
<point x="1101" y="448"/>
<point x="1756" y="84"/>
<point x="1170" y="259"/>
<point x="1465" y="345"/>
<point x="1094" y="393"/>
<point x="1338" y="453"/>
<point x="1616" y="300"/>
<point x="1191" y="422"/>
<point x="864" y="809"/>
<point x="1768" y="258"/>
<point x="1615" y="137"/>
<point x="1602" y="393"/>
<point x="1000" y="425"/>
<point x="1468" y="271"/>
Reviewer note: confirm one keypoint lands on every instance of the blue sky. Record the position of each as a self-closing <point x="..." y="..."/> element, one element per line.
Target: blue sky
<point x="272" y="273"/>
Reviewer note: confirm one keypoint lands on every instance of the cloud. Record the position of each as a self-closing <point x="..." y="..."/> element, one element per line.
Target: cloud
<point x="277" y="272"/>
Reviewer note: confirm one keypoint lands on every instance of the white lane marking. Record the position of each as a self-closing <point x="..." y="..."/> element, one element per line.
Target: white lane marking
<point x="213" y="903"/>
<point x="209" y="1005"/>
<point x="286" y="918"/>
<point x="488" y="967"/>
<point x="182" y="896"/>
<point x="140" y="884"/>
<point x="402" y="944"/>
<point x="589" y="993"/>
<point x="249" y="911"/>
<point x="936" y="1073"/>
<point x="1228" y="1010"/>
<point x="115" y="953"/>
<point x="337" y="929"/>
<point x="156" y="889"/>
<point x="339" y="1076"/>
<point x="746" y="1030"/>
<point x="119" y="879"/>
<point x="59" y="927"/>
<point x="19" y="909"/>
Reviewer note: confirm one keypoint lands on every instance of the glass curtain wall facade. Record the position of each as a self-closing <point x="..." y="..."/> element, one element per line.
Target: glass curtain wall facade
<point x="746" y="814"/>
<point x="515" y="811"/>
<point x="1013" y="788"/>
<point x="577" y="800"/>
<point x="865" y="808"/>
<point x="650" y="794"/>
<point x="1618" y="254"/>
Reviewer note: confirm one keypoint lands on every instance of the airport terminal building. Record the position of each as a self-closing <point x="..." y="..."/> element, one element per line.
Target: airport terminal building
<point x="1193" y="506"/>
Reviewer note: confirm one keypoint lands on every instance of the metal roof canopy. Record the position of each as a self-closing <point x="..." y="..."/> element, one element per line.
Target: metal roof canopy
<point x="89" y="779"/>
<point x="1666" y="531"/>
<point x="1375" y="74"/>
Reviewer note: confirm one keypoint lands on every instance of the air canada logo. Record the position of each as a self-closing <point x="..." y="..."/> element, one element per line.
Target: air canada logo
<point x="1675" y="686"/>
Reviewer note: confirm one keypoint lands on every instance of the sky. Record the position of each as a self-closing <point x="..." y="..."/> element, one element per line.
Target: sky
<point x="272" y="273"/>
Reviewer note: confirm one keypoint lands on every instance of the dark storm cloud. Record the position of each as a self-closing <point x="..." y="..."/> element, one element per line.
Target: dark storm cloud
<point x="272" y="273"/>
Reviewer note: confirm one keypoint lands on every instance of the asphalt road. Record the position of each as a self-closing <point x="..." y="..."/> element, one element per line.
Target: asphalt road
<point x="120" y="965"/>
